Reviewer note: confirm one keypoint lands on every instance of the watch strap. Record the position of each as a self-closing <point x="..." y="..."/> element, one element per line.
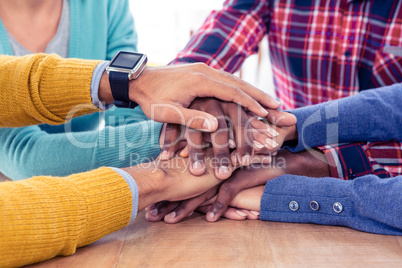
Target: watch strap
<point x="119" y="87"/>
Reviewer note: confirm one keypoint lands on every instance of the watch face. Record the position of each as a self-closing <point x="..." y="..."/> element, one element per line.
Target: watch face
<point x="126" y="60"/>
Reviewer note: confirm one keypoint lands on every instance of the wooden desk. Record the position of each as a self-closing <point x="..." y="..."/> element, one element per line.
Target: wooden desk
<point x="197" y="243"/>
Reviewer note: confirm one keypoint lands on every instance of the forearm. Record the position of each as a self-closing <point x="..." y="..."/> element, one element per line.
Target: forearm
<point x="122" y="146"/>
<point x="43" y="88"/>
<point x="48" y="216"/>
<point x="73" y="152"/>
<point x="127" y="145"/>
<point x="367" y="203"/>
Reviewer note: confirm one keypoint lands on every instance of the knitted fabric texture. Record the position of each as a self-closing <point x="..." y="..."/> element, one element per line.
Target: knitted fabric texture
<point x="43" y="88"/>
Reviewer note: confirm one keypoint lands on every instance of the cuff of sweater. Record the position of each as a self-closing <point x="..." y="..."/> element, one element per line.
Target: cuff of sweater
<point x="134" y="190"/>
<point x="291" y="198"/>
<point x="304" y="117"/>
<point x="96" y="78"/>
<point x="65" y="88"/>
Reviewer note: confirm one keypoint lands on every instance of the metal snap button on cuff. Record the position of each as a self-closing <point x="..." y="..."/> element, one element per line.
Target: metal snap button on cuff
<point x="337" y="207"/>
<point x="293" y="205"/>
<point x="314" y="205"/>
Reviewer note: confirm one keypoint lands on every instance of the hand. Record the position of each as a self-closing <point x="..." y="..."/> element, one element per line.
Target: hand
<point x="234" y="131"/>
<point x="245" y="205"/>
<point x="249" y="199"/>
<point x="224" y="195"/>
<point x="304" y="163"/>
<point x="170" y="180"/>
<point x="164" y="93"/>
<point x="173" y="138"/>
<point x="281" y="123"/>
<point x="174" y="212"/>
<point x="221" y="196"/>
<point x="231" y="119"/>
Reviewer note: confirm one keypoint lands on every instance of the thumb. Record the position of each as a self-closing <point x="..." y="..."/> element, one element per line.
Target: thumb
<point x="281" y="119"/>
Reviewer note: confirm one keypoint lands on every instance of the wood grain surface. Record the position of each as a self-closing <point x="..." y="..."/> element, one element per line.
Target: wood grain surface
<point x="197" y="243"/>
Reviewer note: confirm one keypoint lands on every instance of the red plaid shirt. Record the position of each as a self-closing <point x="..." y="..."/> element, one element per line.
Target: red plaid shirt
<point x="348" y="161"/>
<point x="320" y="50"/>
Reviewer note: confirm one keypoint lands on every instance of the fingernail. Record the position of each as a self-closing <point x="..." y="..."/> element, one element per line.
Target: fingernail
<point x="233" y="159"/>
<point x="273" y="132"/>
<point x="258" y="145"/>
<point x="151" y="207"/>
<point x="241" y="213"/>
<point x="154" y="212"/>
<point x="264" y="112"/>
<point x="208" y="124"/>
<point x="197" y="165"/>
<point x="211" y="215"/>
<point x="190" y="214"/>
<point x="164" y="155"/>
<point x="246" y="160"/>
<point x="255" y="212"/>
<point x="183" y="153"/>
<point x="172" y="215"/>
<point x="271" y="143"/>
<point x="223" y="170"/>
<point x="277" y="102"/>
<point x="232" y="144"/>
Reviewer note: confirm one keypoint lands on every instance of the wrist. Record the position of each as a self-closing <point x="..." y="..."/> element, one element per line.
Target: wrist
<point x="149" y="183"/>
<point x="136" y="86"/>
<point x="291" y="133"/>
<point x="105" y="93"/>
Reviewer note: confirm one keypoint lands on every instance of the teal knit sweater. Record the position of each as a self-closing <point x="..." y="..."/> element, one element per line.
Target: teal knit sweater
<point x="98" y="30"/>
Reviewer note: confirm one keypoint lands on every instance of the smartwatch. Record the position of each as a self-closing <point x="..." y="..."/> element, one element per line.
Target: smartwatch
<point x="124" y="66"/>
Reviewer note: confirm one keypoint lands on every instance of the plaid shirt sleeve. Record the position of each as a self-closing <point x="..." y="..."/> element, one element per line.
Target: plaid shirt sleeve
<point x="228" y="36"/>
<point x="348" y="161"/>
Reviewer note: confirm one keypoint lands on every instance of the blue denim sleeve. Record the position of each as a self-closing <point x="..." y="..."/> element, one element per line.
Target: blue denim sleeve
<point x="368" y="203"/>
<point x="372" y="115"/>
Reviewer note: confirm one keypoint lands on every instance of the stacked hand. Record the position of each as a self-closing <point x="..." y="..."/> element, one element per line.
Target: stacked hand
<point x="206" y="100"/>
<point x="239" y="197"/>
<point x="217" y="110"/>
<point x="170" y="180"/>
<point x="237" y="129"/>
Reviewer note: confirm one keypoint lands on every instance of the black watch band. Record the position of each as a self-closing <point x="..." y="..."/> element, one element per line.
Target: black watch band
<point x="119" y="86"/>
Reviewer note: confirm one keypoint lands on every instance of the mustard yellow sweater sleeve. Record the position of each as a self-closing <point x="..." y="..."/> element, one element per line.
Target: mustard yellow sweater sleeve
<point x="43" y="88"/>
<point x="48" y="216"/>
<point x="43" y="217"/>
